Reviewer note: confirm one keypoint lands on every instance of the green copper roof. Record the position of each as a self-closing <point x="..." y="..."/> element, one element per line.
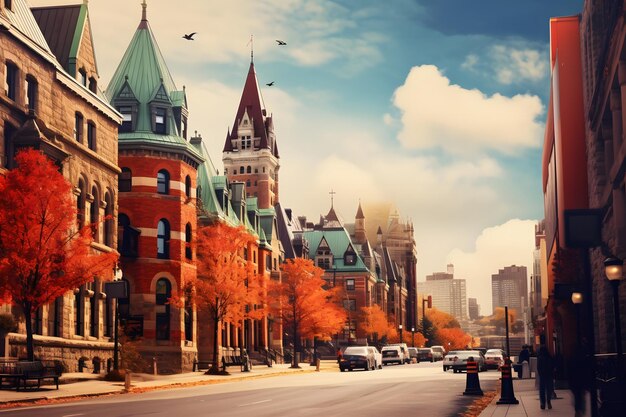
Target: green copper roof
<point x="338" y="241"/>
<point x="206" y="171"/>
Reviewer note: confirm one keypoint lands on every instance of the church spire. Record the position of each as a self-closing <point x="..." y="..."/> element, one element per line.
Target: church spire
<point x="144" y="15"/>
<point x="359" y="212"/>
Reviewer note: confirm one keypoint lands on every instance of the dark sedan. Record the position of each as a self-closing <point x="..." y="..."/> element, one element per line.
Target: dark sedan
<point x="425" y="355"/>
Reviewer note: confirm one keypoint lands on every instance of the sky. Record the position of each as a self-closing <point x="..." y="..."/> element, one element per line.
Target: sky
<point x="435" y="105"/>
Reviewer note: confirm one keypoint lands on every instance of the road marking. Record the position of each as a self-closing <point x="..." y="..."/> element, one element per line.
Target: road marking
<point x="74" y="415"/>
<point x="254" y="403"/>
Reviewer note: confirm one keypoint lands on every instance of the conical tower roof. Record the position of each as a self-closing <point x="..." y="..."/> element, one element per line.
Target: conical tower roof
<point x="359" y="212"/>
<point x="252" y="103"/>
<point x="143" y="78"/>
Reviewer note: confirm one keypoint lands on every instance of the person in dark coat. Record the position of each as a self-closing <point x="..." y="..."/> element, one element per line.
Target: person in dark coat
<point x="579" y="373"/>
<point x="545" y="369"/>
<point x="524" y="356"/>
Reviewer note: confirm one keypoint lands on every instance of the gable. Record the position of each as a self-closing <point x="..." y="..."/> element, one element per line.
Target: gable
<point x="161" y="95"/>
<point x="126" y="93"/>
<point x="84" y="50"/>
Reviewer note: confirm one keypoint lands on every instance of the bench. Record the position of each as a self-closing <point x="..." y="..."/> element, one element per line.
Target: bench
<point x="201" y="365"/>
<point x="36" y="371"/>
<point x="9" y="372"/>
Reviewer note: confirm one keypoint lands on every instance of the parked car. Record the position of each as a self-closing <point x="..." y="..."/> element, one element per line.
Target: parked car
<point x="494" y="358"/>
<point x="392" y="354"/>
<point x="438" y="352"/>
<point x="378" y="357"/>
<point x="459" y="362"/>
<point x="425" y="355"/>
<point x="405" y="351"/>
<point x="448" y="360"/>
<point x="354" y="357"/>
<point x="413" y="354"/>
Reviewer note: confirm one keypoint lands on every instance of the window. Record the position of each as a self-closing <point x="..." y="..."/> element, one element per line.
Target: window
<point x="249" y="169"/>
<point x="94" y="214"/>
<point x="159" y="120"/>
<point x="79" y="308"/>
<point x="163" y="182"/>
<point x="188" y="316"/>
<point x="93" y="311"/>
<point x="247" y="183"/>
<point x="188" y="236"/>
<point x="82" y="77"/>
<point x="183" y="127"/>
<point x="188" y="186"/>
<point x="93" y="85"/>
<point x="127" y="119"/>
<point x="80" y="204"/>
<point x="350" y="258"/>
<point x="349" y="305"/>
<point x="241" y="169"/>
<point x="7" y="4"/>
<point x="163" y="293"/>
<point x="349" y="330"/>
<point x="163" y="239"/>
<point x="78" y="127"/>
<point x="31" y="93"/>
<point x="91" y="136"/>
<point x="125" y="183"/>
<point x="10" y="82"/>
<point x="108" y="221"/>
<point x="350" y="284"/>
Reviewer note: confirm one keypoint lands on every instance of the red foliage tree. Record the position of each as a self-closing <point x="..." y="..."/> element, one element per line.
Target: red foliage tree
<point x="303" y="305"/>
<point x="42" y="255"/>
<point x="453" y="338"/>
<point x="373" y="322"/>
<point x="225" y="283"/>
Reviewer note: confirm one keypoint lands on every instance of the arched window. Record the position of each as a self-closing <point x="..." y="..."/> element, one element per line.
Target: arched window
<point x="199" y="192"/>
<point x="79" y="311"/>
<point x="94" y="214"/>
<point x="91" y="135"/>
<point x="188" y="252"/>
<point x="108" y="221"/>
<point x="93" y="85"/>
<point x="163" y="239"/>
<point x="241" y="170"/>
<point x="249" y="169"/>
<point x="31" y="92"/>
<point x="125" y="181"/>
<point x="78" y="127"/>
<point x="163" y="294"/>
<point x="163" y="182"/>
<point x="80" y="204"/>
<point x="188" y="186"/>
<point x="188" y="315"/>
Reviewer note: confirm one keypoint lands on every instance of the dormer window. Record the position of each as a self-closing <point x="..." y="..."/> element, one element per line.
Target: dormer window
<point x="246" y="142"/>
<point x="349" y="259"/>
<point x="10" y="81"/>
<point x="324" y="258"/>
<point x="159" y="120"/>
<point x="93" y="85"/>
<point x="31" y="92"/>
<point x="8" y="4"/>
<point x="82" y="77"/>
<point x="127" y="119"/>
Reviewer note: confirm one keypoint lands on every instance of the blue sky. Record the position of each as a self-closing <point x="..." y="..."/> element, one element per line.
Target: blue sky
<point x="437" y="106"/>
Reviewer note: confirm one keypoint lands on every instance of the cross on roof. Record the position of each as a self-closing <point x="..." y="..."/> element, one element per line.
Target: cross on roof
<point x="332" y="197"/>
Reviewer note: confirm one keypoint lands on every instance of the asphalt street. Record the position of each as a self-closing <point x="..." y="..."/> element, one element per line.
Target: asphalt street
<point x="417" y="389"/>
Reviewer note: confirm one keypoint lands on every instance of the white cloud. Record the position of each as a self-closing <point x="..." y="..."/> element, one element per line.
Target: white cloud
<point x="470" y="62"/>
<point x="514" y="65"/>
<point x="438" y="114"/>
<point x="511" y="243"/>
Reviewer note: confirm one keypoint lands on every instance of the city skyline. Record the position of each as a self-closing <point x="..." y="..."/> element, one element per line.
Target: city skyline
<point x="347" y="119"/>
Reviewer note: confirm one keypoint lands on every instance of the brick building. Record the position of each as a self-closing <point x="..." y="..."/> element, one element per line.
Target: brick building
<point x="51" y="101"/>
<point x="157" y="203"/>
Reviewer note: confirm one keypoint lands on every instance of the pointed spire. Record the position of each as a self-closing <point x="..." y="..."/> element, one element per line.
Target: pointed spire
<point x="359" y="212"/>
<point x="144" y="6"/>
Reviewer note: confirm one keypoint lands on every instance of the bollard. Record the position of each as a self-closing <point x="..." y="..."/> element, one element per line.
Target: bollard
<point x="154" y="365"/>
<point x="507" y="396"/>
<point x="472" y="384"/>
<point x="317" y="364"/>
<point x="127" y="381"/>
<point x="525" y="370"/>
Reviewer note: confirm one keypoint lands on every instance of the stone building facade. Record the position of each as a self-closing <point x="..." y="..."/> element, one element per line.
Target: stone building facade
<point x="46" y="105"/>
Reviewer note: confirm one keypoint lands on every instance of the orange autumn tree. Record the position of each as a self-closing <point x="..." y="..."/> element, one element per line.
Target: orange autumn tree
<point x="42" y="255"/>
<point x="373" y="322"/>
<point x="303" y="305"/>
<point x="453" y="338"/>
<point x="441" y="319"/>
<point x="225" y="282"/>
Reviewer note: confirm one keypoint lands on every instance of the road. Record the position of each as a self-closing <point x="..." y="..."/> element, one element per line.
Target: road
<point x="405" y="390"/>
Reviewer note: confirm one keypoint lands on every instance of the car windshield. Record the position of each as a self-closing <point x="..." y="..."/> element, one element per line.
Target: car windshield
<point x="424" y="350"/>
<point x="355" y="351"/>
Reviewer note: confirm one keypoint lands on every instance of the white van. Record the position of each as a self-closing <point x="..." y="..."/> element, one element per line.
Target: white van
<point x="392" y="354"/>
<point x="406" y="357"/>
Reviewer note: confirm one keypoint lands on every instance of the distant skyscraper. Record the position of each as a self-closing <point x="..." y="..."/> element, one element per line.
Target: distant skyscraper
<point x="509" y="287"/>
<point x="448" y="294"/>
<point x="473" y="308"/>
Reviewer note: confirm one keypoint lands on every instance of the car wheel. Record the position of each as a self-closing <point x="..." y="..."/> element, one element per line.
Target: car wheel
<point x="432" y="360"/>
<point x="444" y="368"/>
<point x="380" y="367"/>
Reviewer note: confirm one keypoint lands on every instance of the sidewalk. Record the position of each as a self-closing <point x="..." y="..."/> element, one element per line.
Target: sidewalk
<point x="528" y="397"/>
<point x="84" y="384"/>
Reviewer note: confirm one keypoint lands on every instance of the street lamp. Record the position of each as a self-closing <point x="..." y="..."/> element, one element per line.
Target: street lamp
<point x="613" y="268"/>
<point x="577" y="299"/>
<point x="400" y="327"/>
<point x="413" y="335"/>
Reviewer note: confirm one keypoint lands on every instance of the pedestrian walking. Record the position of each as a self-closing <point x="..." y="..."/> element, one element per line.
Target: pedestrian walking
<point x="545" y="369"/>
<point x="579" y="374"/>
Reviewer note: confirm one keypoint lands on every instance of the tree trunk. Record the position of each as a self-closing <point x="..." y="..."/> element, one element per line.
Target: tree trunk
<point x="30" y="348"/>
<point x="295" y="339"/>
<point x="215" y="365"/>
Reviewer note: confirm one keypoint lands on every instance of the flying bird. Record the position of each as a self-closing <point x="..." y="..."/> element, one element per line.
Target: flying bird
<point x="189" y="37"/>
<point x="270" y="84"/>
<point x="281" y="43"/>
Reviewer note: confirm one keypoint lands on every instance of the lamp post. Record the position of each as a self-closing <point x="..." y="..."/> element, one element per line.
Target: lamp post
<point x="613" y="269"/>
<point x="577" y="299"/>
<point x="400" y="327"/>
<point x="413" y="335"/>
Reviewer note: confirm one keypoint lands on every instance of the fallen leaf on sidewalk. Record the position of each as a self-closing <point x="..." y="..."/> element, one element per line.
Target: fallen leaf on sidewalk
<point x="478" y="405"/>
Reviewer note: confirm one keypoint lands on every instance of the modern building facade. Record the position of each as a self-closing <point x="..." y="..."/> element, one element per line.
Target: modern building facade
<point x="509" y="287"/>
<point x="473" y="309"/>
<point x="51" y="101"/>
<point x="448" y="293"/>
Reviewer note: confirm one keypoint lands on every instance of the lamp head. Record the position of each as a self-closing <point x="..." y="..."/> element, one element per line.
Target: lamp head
<point x="400" y="326"/>
<point x="577" y="298"/>
<point x="613" y="268"/>
<point x="412" y="329"/>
